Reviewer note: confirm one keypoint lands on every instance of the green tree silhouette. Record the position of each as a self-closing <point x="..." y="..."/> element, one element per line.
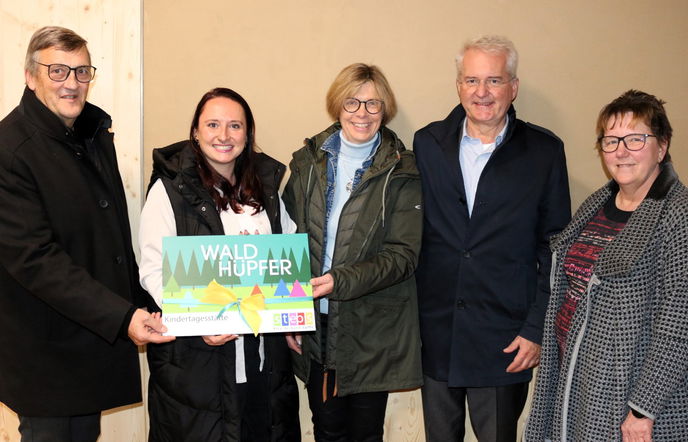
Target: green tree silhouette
<point x="305" y="267"/>
<point x="287" y="277"/>
<point x="270" y="279"/>
<point x="208" y="272"/>
<point x="166" y="269"/>
<point x="171" y="287"/>
<point x="180" y="271"/>
<point x="194" y="274"/>
<point x="226" y="279"/>
<point x="294" y="268"/>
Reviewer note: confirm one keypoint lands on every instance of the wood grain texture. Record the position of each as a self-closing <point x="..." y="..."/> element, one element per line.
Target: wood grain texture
<point x="113" y="31"/>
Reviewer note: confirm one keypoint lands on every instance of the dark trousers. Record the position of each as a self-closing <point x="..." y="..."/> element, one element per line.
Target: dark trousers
<point x="354" y="418"/>
<point x="254" y="396"/>
<point x="60" y="429"/>
<point x="494" y="411"/>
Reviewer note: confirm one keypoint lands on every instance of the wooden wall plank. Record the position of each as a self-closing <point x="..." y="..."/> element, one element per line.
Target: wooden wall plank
<point x="113" y="31"/>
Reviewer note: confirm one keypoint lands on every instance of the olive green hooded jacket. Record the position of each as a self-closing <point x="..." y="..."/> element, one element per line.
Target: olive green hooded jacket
<point x="373" y="339"/>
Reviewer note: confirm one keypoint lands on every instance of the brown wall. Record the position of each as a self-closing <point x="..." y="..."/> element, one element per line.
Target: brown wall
<point x="282" y="56"/>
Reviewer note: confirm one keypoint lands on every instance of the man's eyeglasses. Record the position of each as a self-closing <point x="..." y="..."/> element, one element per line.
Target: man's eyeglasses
<point x="632" y="142"/>
<point x="373" y="106"/>
<point x="490" y="82"/>
<point x="60" y="72"/>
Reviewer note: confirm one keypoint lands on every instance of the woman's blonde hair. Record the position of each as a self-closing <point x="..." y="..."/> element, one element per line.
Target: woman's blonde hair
<point x="353" y="77"/>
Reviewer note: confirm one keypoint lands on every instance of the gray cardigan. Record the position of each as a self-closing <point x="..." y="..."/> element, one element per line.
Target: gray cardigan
<point x="629" y="334"/>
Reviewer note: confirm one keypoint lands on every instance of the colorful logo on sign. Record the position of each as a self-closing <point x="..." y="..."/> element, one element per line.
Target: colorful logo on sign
<point x="293" y="319"/>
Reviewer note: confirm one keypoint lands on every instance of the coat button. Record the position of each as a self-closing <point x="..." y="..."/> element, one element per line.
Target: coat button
<point x="79" y="155"/>
<point x="203" y="209"/>
<point x="118" y="259"/>
<point x="467" y="254"/>
<point x="103" y="203"/>
<point x="181" y="186"/>
<point x="460" y="304"/>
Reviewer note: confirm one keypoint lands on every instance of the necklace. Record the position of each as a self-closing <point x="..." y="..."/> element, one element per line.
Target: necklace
<point x="350" y="183"/>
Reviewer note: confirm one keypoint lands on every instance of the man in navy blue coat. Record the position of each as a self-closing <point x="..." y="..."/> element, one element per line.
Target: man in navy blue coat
<point x="495" y="189"/>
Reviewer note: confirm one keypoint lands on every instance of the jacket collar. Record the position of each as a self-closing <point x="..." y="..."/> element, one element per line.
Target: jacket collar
<point x="86" y="126"/>
<point x="389" y="151"/>
<point x="618" y="257"/>
<point x="660" y="188"/>
<point x="448" y="131"/>
<point x="179" y="159"/>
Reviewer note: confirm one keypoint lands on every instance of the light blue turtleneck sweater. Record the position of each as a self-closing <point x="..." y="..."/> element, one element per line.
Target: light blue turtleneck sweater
<point x="351" y="158"/>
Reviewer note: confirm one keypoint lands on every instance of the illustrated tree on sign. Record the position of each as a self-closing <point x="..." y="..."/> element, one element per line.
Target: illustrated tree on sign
<point x="294" y="268"/>
<point x="305" y="267"/>
<point x="288" y="277"/>
<point x="166" y="269"/>
<point x="282" y="289"/>
<point x="270" y="279"/>
<point x="208" y="271"/>
<point x="228" y="278"/>
<point x="180" y="271"/>
<point x="171" y="287"/>
<point x="194" y="274"/>
<point x="297" y="290"/>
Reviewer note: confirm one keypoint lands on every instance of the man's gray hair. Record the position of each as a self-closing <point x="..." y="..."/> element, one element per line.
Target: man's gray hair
<point x="52" y="36"/>
<point x="493" y="44"/>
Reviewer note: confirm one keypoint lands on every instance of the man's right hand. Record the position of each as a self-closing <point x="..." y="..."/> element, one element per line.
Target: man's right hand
<point x="147" y="328"/>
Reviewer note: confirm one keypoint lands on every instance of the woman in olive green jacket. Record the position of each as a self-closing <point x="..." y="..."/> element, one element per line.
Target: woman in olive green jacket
<point x="355" y="190"/>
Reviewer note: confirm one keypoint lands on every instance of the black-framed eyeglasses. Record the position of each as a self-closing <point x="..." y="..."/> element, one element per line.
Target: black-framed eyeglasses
<point x="633" y="142"/>
<point x="373" y="106"/>
<point x="60" y="72"/>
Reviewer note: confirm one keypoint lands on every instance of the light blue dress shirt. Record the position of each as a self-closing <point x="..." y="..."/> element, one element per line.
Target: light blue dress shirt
<point x="473" y="155"/>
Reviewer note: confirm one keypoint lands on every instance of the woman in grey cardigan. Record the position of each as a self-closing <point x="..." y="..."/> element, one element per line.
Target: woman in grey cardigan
<point x="615" y="350"/>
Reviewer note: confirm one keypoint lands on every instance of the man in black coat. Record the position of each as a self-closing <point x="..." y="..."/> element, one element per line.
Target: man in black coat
<point x="495" y="189"/>
<point x="69" y="325"/>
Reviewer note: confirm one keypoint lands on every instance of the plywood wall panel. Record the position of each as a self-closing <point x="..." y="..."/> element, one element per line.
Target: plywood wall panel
<point x="113" y="31"/>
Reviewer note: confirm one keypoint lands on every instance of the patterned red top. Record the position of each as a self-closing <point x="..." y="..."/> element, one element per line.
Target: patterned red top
<point x="580" y="260"/>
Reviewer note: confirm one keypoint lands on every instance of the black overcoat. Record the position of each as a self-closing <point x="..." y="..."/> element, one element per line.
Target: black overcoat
<point x="192" y="391"/>
<point x="68" y="275"/>
<point x="483" y="280"/>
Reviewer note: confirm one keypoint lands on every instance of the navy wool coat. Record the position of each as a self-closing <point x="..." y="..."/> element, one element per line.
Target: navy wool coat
<point x="483" y="280"/>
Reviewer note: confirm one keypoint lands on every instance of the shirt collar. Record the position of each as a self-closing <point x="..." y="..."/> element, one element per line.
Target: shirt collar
<point x="498" y="139"/>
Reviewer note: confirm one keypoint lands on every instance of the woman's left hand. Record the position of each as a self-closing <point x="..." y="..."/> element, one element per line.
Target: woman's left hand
<point x="634" y="429"/>
<point x="294" y="342"/>
<point x="322" y="285"/>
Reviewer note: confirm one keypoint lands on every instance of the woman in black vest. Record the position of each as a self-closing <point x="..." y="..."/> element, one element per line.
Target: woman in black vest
<point x="223" y="387"/>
